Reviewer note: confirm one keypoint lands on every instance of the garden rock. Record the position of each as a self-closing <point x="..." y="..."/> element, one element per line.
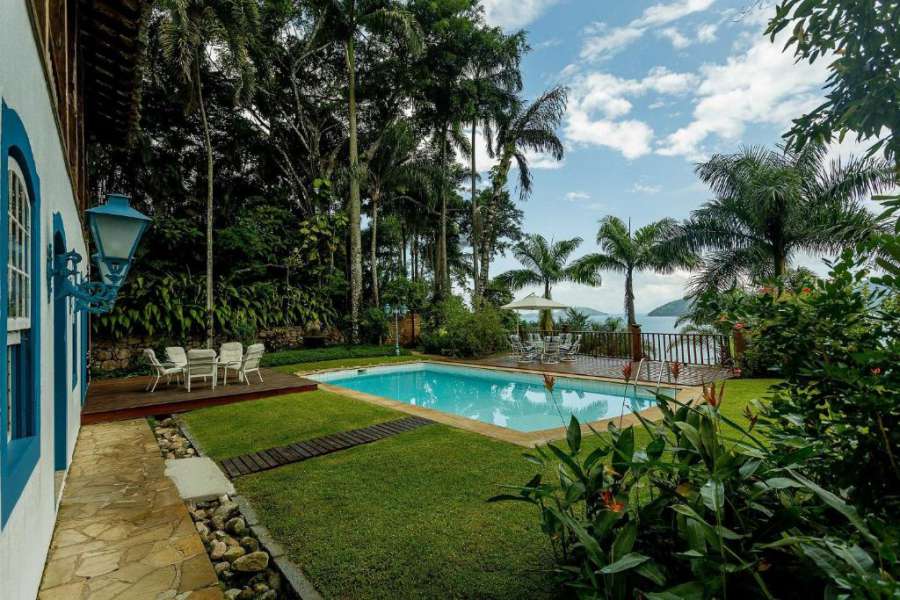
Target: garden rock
<point x="250" y="544"/>
<point x="232" y="594"/>
<point x="217" y="550"/>
<point x="236" y="526"/>
<point x="251" y="563"/>
<point x="233" y="554"/>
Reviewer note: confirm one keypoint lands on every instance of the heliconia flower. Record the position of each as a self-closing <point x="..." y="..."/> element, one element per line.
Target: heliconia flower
<point x="609" y="501"/>
<point x="626" y="371"/>
<point x="711" y="397"/>
<point x="675" y="369"/>
<point x="549" y="382"/>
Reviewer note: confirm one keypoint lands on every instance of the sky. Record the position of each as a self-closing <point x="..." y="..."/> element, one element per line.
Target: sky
<point x="654" y="87"/>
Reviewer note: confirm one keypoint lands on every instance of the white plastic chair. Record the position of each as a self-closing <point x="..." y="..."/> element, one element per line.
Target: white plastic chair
<point x="570" y="352"/>
<point x="231" y="356"/>
<point x="550" y="353"/>
<point x="176" y="355"/>
<point x="201" y="363"/>
<point x="521" y="353"/>
<point x="250" y="364"/>
<point x="160" y="370"/>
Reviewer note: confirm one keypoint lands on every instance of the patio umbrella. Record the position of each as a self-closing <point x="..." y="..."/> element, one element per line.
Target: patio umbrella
<point x="534" y="302"/>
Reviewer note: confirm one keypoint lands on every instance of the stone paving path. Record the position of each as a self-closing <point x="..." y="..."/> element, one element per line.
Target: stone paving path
<point x="122" y="529"/>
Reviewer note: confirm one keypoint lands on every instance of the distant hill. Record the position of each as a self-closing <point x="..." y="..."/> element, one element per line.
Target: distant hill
<point x="591" y="312"/>
<point x="675" y="308"/>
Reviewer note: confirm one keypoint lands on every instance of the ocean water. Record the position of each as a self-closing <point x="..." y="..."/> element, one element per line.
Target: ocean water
<point x="652" y="324"/>
<point x="515" y="400"/>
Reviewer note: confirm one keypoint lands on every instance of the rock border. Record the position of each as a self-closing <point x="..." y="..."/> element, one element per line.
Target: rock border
<point x="291" y="572"/>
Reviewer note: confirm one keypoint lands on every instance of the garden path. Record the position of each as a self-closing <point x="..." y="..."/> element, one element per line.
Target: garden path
<point x="122" y="530"/>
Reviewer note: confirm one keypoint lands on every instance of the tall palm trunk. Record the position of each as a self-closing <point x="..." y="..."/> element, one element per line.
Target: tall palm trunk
<point x="629" y="297"/>
<point x="207" y="142"/>
<point x="442" y="278"/>
<point x="373" y="255"/>
<point x="546" y="316"/>
<point x="354" y="205"/>
<point x="476" y="248"/>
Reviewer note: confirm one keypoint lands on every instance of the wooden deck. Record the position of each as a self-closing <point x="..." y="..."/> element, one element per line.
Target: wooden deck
<point x="120" y="399"/>
<point x="611" y="368"/>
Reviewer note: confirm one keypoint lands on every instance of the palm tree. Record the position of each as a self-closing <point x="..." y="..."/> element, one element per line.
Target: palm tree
<point x="626" y="253"/>
<point x="392" y="165"/>
<point x="546" y="264"/>
<point x="521" y="129"/>
<point x="189" y="29"/>
<point x="345" y="22"/>
<point x="770" y="205"/>
<point x="492" y="77"/>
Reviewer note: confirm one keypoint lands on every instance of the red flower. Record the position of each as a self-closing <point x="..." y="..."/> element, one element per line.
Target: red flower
<point x="626" y="371"/>
<point x="736" y="371"/>
<point x="876" y="370"/>
<point x="549" y="382"/>
<point x="806" y="290"/>
<point x="609" y="501"/>
<point x="711" y="396"/>
<point x="738" y="325"/>
<point x="675" y="370"/>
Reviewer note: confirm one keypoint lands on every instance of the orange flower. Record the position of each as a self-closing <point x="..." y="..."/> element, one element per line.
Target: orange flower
<point x="609" y="501"/>
<point x="549" y="382"/>
<point x="711" y="396"/>
<point x="806" y="290"/>
<point x="675" y="369"/>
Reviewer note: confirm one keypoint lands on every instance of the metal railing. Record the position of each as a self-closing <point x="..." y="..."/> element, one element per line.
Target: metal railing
<point x="684" y="348"/>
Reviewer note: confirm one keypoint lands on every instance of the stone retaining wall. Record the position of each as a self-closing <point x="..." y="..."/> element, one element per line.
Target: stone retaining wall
<point x="125" y="353"/>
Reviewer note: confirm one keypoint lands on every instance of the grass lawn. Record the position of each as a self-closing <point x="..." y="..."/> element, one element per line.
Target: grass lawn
<point x="403" y="517"/>
<point x="233" y="429"/>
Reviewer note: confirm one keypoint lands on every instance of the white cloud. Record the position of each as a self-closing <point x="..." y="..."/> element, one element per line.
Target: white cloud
<point x="707" y="33"/>
<point x="643" y="188"/>
<point x="603" y="41"/>
<point x="760" y="85"/>
<point x="632" y="138"/>
<point x="484" y="162"/>
<point x="599" y="101"/>
<point x="576" y="196"/>
<point x="514" y="14"/>
<point x="678" y="40"/>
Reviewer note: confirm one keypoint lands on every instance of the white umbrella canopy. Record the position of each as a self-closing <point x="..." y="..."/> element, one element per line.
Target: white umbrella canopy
<point x="534" y="302"/>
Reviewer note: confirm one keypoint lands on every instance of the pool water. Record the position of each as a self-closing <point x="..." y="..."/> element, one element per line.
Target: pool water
<point x="515" y="400"/>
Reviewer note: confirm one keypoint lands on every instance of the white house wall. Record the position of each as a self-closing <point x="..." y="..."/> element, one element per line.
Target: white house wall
<point x="25" y="539"/>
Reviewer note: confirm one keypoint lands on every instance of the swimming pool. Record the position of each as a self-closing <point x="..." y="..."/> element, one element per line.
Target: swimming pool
<point x="517" y="401"/>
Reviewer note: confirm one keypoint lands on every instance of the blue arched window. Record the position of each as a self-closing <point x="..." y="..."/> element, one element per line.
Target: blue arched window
<point x="20" y="202"/>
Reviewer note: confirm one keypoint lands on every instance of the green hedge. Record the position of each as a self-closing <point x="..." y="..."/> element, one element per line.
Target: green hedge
<point x="291" y="357"/>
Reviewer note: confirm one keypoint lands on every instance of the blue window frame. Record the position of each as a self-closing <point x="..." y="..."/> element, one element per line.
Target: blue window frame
<point x="85" y="350"/>
<point x="20" y="289"/>
<point x="76" y="343"/>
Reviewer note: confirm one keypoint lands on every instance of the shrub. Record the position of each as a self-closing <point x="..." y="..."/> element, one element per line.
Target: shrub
<point x="290" y="357"/>
<point x="704" y="510"/>
<point x="839" y="345"/>
<point x="452" y="329"/>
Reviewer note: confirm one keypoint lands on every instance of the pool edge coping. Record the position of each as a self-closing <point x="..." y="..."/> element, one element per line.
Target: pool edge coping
<point x="528" y="439"/>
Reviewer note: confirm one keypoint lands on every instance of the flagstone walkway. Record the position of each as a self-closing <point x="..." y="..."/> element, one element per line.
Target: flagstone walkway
<point x="122" y="530"/>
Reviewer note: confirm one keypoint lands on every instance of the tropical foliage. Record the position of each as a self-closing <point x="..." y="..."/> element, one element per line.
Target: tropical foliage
<point x="622" y="252"/>
<point x="771" y="205"/>
<point x="692" y="514"/>
<point x="546" y="263"/>
<point x="276" y="125"/>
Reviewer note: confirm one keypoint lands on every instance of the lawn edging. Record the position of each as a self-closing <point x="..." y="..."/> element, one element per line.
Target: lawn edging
<point x="292" y="573"/>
